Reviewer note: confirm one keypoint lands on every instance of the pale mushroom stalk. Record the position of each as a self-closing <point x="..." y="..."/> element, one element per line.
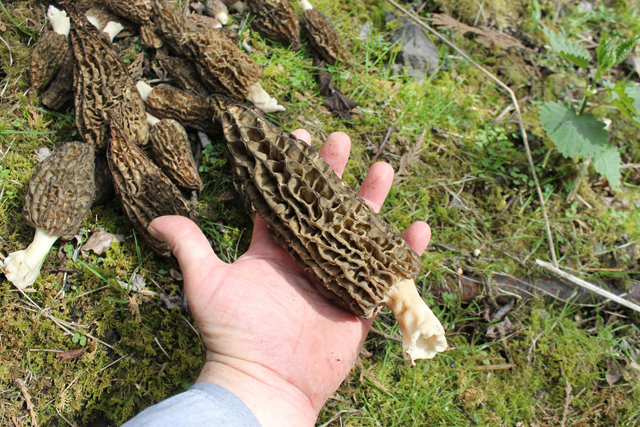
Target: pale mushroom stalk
<point x="238" y="7"/>
<point x="145" y="90"/>
<point x="22" y="268"/>
<point x="262" y="99"/>
<point x="422" y="333"/>
<point x="113" y="29"/>
<point x="304" y="5"/>
<point x="60" y="22"/>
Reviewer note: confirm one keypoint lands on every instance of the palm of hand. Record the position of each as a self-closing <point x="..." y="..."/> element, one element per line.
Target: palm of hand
<point x="263" y="318"/>
<point x="263" y="309"/>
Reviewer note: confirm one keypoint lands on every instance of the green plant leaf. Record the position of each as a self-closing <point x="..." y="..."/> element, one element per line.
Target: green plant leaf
<point x="611" y="53"/>
<point x="567" y="49"/>
<point x="626" y="97"/>
<point x="575" y="136"/>
<point x="607" y="164"/>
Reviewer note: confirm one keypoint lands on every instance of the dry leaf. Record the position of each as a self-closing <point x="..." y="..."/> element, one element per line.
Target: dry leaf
<point x="500" y="329"/>
<point x="72" y="354"/>
<point x="137" y="283"/>
<point x="134" y="309"/>
<point x="408" y="158"/>
<point x="136" y="68"/>
<point x="100" y="241"/>
<point x="176" y="274"/>
<point x="484" y="35"/>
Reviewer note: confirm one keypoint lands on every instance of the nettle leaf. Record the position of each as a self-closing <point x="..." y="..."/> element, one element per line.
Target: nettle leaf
<point x="567" y="49"/>
<point x="626" y="96"/>
<point x="575" y="136"/>
<point x="607" y="164"/>
<point x="611" y="53"/>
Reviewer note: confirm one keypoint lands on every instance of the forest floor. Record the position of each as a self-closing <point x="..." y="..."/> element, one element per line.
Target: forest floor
<point x="75" y="349"/>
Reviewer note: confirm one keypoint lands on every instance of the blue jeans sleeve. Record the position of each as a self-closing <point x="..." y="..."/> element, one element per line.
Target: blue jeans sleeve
<point x="204" y="404"/>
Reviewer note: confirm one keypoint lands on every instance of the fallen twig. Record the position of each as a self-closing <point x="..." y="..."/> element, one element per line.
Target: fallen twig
<point x="523" y="132"/>
<point x="27" y="398"/>
<point x="593" y="288"/>
<point x="493" y="367"/>
<point x="387" y="336"/>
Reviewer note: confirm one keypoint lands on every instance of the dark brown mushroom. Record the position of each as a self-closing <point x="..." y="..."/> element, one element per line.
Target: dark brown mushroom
<point x="171" y="150"/>
<point x="322" y="34"/>
<point x="276" y="20"/>
<point x="328" y="228"/>
<point x="103" y="86"/>
<point x="183" y="73"/>
<point x="51" y="51"/>
<point x="138" y="11"/>
<point x="143" y="189"/>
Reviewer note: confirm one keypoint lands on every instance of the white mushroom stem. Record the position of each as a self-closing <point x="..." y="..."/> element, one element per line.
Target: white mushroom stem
<point x="262" y="99"/>
<point x="113" y="29"/>
<point x="22" y="268"/>
<point x="60" y="22"/>
<point x="304" y="5"/>
<point x="144" y="90"/>
<point x="93" y="20"/>
<point x="222" y="17"/>
<point x="422" y="333"/>
<point x="152" y="120"/>
<point x="238" y="7"/>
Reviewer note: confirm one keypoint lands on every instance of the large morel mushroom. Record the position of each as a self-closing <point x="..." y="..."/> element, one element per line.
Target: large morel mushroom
<point x="329" y="229"/>
<point x="58" y="198"/>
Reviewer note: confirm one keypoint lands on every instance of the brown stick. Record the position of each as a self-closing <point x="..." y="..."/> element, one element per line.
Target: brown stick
<point x="493" y="367"/>
<point x="27" y="398"/>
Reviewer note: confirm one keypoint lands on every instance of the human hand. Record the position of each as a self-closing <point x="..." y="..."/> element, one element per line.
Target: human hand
<point x="273" y="338"/>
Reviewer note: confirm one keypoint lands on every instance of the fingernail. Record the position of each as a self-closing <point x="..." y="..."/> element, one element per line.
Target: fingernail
<point x="155" y="233"/>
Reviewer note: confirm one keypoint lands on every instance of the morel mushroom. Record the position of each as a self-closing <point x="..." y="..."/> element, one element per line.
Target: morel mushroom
<point x="276" y="20"/>
<point x="225" y="68"/>
<point x="100" y="16"/>
<point x="329" y="229"/>
<point x="58" y="198"/>
<point x="322" y="34"/>
<point x="138" y="11"/>
<point x="171" y="150"/>
<point x="51" y="51"/>
<point x="218" y="10"/>
<point x="144" y="191"/>
<point x="183" y="73"/>
<point x="103" y="85"/>
<point x="191" y="110"/>
<point x="104" y="182"/>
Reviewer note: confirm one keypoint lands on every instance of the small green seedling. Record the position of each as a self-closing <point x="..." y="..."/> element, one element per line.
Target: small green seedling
<point x="68" y="249"/>
<point x="580" y="134"/>
<point x="79" y="338"/>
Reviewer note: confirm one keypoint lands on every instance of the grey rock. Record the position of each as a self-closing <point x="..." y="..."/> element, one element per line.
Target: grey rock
<point x="418" y="55"/>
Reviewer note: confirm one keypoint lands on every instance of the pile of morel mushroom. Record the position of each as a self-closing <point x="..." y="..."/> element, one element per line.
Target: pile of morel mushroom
<point x="323" y="224"/>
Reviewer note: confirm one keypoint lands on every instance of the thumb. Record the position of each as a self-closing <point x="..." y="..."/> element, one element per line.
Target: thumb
<point x="188" y="244"/>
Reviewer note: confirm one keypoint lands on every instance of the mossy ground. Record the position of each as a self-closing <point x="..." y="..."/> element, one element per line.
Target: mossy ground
<point x="473" y="187"/>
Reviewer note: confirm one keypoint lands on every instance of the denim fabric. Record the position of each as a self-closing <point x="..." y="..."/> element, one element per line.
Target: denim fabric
<point x="204" y="404"/>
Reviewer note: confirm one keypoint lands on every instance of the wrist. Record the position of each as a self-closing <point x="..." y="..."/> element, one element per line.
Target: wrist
<point x="272" y="400"/>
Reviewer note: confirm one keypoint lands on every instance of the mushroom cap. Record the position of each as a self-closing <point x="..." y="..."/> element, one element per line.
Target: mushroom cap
<point x="323" y="36"/>
<point x="276" y="20"/>
<point x="60" y="192"/>
<point x="48" y="56"/>
<point x="138" y="11"/>
<point x="143" y="189"/>
<point x="171" y="150"/>
<point x="325" y="225"/>
<point x="103" y="86"/>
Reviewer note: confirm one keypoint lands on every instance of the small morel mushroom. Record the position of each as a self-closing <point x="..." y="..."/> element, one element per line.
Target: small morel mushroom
<point x="58" y="198"/>
<point x="197" y="22"/>
<point x="225" y="68"/>
<point x="51" y="51"/>
<point x="144" y="191"/>
<point x="276" y="20"/>
<point x="329" y="229"/>
<point x="103" y="85"/>
<point x="138" y="11"/>
<point x="149" y="38"/>
<point x="322" y="34"/>
<point x="168" y="102"/>
<point x="183" y="73"/>
<point x="60" y="92"/>
<point x="171" y="150"/>
<point x="218" y="10"/>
